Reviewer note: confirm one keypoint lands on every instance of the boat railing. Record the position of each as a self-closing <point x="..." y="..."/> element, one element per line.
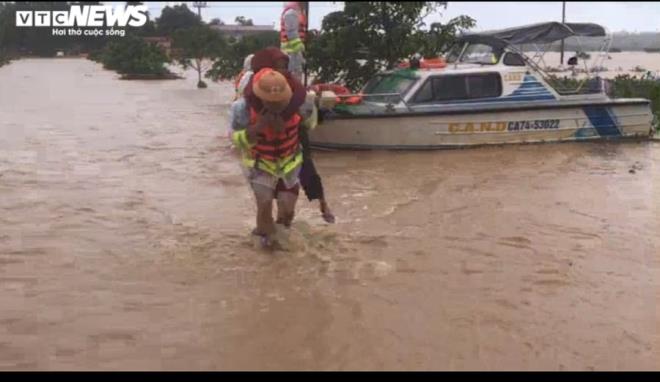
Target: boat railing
<point x="584" y="85"/>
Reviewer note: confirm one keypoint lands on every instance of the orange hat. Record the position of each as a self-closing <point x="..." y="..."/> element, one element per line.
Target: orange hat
<point x="271" y="86"/>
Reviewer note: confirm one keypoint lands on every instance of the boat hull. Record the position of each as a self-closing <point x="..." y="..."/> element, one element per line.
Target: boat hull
<point x="465" y="128"/>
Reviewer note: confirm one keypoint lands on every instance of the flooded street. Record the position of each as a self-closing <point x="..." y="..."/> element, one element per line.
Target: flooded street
<point x="124" y="245"/>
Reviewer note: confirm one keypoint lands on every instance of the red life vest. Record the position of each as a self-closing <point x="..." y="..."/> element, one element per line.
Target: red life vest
<point x="302" y="25"/>
<point x="273" y="146"/>
<point x="431" y="63"/>
<point x="338" y="90"/>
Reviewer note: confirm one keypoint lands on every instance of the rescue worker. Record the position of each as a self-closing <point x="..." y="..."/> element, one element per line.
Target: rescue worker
<point x="272" y="155"/>
<point x="309" y="177"/>
<point x="293" y="27"/>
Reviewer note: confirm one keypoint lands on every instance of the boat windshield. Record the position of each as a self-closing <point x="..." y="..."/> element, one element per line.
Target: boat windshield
<point x="454" y="52"/>
<point x="474" y="54"/>
<point x="390" y="87"/>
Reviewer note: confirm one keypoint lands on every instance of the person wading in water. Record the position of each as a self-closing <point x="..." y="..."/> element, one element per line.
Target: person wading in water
<point x="310" y="180"/>
<point x="272" y="156"/>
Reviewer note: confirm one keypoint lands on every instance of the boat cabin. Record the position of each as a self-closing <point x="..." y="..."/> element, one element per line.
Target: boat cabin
<point x="485" y="68"/>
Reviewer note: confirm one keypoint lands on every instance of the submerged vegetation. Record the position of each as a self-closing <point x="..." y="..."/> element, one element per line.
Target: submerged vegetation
<point x="626" y="86"/>
<point x="622" y="86"/>
<point x="131" y="56"/>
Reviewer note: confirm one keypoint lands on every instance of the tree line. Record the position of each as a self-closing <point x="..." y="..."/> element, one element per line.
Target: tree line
<point x="351" y="45"/>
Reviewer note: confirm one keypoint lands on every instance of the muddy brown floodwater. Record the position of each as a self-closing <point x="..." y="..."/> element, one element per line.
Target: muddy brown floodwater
<point x="124" y="244"/>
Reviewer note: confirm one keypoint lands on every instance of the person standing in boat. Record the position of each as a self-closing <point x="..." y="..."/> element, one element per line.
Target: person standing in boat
<point x="293" y="29"/>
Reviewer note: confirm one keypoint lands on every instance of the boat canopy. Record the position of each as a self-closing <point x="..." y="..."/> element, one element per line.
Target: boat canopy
<point x="541" y="33"/>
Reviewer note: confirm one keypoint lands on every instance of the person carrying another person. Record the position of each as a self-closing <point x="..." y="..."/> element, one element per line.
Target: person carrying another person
<point x="309" y="178"/>
<point x="272" y="156"/>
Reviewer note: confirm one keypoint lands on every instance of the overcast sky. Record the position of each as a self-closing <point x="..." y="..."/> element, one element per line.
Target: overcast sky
<point x="616" y="16"/>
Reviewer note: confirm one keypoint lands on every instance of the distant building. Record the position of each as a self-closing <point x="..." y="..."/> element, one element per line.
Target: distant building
<point x="240" y="31"/>
<point x="162" y="42"/>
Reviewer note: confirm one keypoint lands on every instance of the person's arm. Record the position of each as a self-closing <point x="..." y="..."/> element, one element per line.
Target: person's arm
<point x="244" y="81"/>
<point x="309" y="112"/>
<point x="291" y="25"/>
<point x="243" y="135"/>
<point x="297" y="100"/>
<point x="241" y="140"/>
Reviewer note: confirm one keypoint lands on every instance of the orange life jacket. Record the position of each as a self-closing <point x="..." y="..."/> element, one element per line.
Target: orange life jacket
<point x="431" y="63"/>
<point x="339" y="90"/>
<point x="302" y="25"/>
<point x="273" y="146"/>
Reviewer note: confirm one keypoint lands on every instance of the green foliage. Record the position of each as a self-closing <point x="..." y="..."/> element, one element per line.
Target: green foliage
<point x="196" y="47"/>
<point x="355" y="44"/>
<point x="442" y="36"/>
<point x="216" y="21"/>
<point x="622" y="86"/>
<point x="369" y="36"/>
<point x="241" y="20"/>
<point x="563" y="83"/>
<point x="31" y="41"/>
<point x="196" y="43"/>
<point x="96" y="55"/>
<point x="40" y="41"/>
<point x="147" y="30"/>
<point x="132" y="55"/>
<point x="230" y="60"/>
<point x="174" y="18"/>
<point x="625" y="86"/>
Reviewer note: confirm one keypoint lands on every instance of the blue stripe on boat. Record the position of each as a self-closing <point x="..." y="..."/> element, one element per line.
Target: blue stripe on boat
<point x="602" y="121"/>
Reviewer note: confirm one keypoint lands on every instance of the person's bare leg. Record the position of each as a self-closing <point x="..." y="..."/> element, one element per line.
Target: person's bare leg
<point x="264" y="199"/>
<point x="325" y="211"/>
<point x="265" y="223"/>
<point x="286" y="208"/>
<point x="281" y="214"/>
